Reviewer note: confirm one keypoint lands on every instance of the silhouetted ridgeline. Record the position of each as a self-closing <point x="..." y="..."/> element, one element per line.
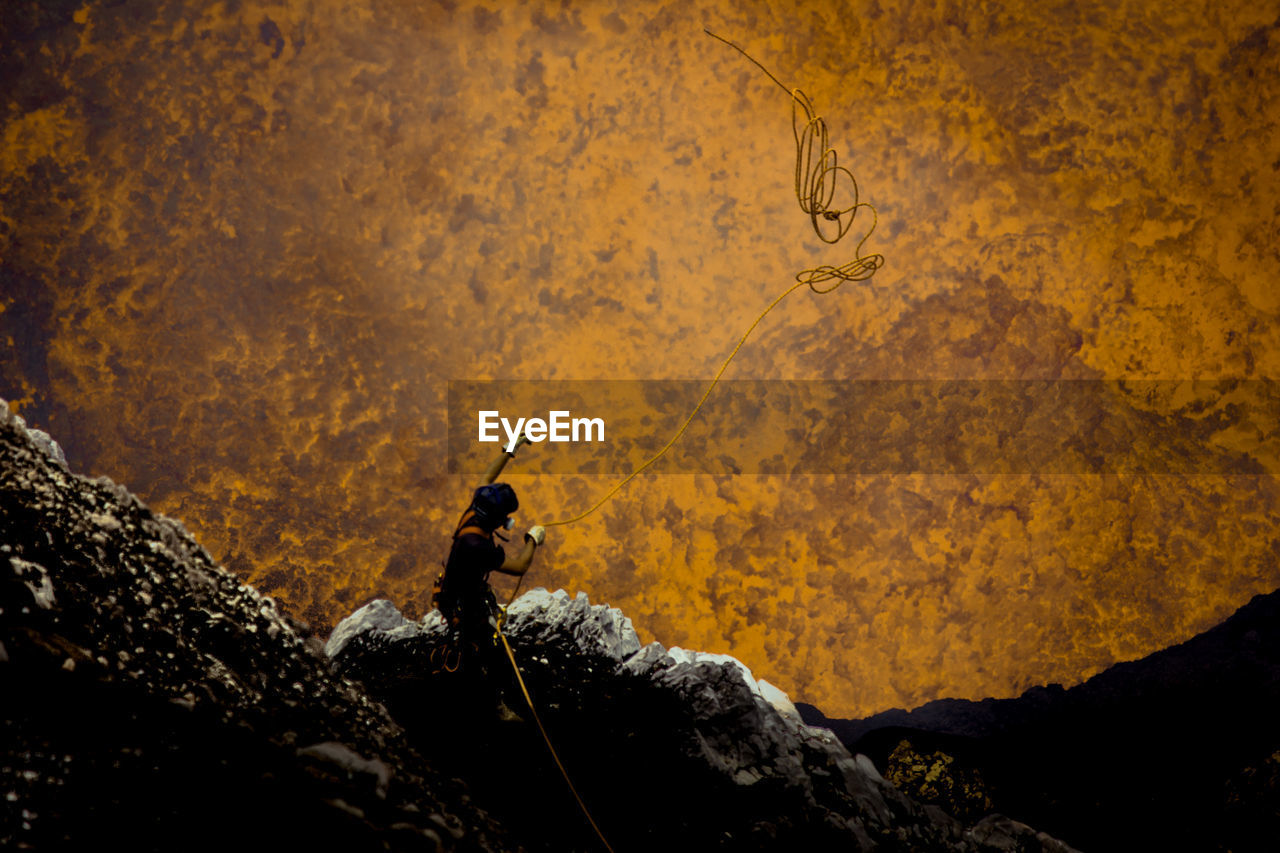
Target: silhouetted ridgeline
<point x="150" y="701"/>
<point x="1179" y="750"/>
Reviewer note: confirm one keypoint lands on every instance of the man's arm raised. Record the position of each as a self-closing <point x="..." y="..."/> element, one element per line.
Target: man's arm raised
<point x="495" y="467"/>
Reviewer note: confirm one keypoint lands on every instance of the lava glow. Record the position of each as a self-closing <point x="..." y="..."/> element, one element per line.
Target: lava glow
<point x="246" y="245"/>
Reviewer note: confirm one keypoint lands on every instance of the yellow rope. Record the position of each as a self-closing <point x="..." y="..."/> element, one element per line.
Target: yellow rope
<point x="816" y="180"/>
<point x="529" y="700"/>
<point x="815" y="185"/>
<point x="687" y="420"/>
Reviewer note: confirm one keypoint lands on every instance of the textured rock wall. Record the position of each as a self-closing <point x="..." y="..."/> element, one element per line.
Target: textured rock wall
<point x="151" y="701"/>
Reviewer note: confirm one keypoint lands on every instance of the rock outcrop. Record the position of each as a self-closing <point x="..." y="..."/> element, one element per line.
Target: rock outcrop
<point x="151" y="701"/>
<point x="662" y="743"/>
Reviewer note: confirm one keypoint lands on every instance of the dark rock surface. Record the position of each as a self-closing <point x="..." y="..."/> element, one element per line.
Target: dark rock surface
<point x="662" y="743"/>
<point x="1177" y="749"/>
<point x="150" y="701"/>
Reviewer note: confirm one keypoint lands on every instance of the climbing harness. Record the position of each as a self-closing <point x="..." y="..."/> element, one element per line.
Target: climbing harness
<point x="449" y="657"/>
<point x="816" y="179"/>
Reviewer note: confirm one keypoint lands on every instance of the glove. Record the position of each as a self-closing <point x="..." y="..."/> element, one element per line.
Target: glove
<point x="537" y="533"/>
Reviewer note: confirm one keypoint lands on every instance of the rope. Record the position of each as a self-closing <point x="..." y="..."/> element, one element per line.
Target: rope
<point x="815" y="185"/>
<point x="687" y="420"/>
<point x="534" y="711"/>
<point x="816" y="179"/>
<point x="519" y="581"/>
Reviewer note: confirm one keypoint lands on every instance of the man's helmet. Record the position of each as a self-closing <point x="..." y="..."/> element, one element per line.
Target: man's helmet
<point x="493" y="503"/>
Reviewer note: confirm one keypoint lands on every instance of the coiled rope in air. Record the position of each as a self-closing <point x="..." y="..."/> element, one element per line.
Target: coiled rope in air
<point x="818" y="173"/>
<point x="816" y="179"/>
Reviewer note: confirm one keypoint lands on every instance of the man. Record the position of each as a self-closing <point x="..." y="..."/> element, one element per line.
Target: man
<point x="463" y="594"/>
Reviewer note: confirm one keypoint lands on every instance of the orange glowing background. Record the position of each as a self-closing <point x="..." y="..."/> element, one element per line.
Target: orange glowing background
<point x="246" y="245"/>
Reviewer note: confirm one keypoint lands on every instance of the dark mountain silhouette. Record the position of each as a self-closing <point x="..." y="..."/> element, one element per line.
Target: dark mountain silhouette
<point x="1179" y="750"/>
<point x="152" y="701"/>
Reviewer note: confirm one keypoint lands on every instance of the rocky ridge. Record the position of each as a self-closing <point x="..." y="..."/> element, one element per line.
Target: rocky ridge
<point x="727" y="758"/>
<point x="151" y="700"/>
<point x="1177" y="750"/>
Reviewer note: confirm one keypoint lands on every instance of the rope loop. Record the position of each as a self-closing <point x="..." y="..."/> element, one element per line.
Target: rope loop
<point x="818" y="178"/>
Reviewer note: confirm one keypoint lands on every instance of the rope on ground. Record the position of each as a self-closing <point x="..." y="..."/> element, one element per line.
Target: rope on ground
<point x="816" y="180"/>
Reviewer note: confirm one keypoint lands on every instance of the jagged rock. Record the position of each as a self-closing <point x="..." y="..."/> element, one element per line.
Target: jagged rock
<point x="380" y="616"/>
<point x="555" y="621"/>
<point x="43" y="441"/>
<point x="629" y="720"/>
<point x="352" y="765"/>
<point x="150" y="701"/>
<point x="997" y="832"/>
